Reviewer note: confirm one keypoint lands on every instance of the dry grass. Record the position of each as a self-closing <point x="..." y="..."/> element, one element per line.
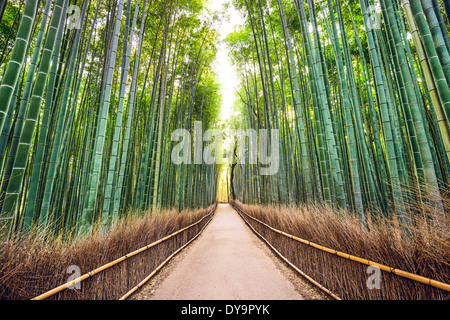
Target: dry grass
<point x="425" y="251"/>
<point x="32" y="266"/>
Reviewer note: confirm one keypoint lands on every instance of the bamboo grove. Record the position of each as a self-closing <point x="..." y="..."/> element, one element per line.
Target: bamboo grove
<point x="359" y="91"/>
<point x="90" y="93"/>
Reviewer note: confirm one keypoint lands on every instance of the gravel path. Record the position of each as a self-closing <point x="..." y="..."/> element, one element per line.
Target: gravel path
<point x="227" y="262"/>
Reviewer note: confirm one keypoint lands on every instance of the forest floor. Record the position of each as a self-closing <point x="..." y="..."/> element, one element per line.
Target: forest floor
<point x="227" y="262"/>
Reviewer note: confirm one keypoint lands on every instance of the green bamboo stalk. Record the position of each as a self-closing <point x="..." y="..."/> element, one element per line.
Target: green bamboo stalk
<point x="348" y="116"/>
<point x="118" y="125"/>
<point x="433" y="59"/>
<point x="94" y="178"/>
<point x="444" y="128"/>
<point x="20" y="163"/>
<point x="17" y="59"/>
<point x="33" y="189"/>
<point x="58" y="138"/>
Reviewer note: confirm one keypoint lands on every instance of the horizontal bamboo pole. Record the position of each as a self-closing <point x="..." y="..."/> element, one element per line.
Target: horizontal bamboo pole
<point x="112" y="263"/>
<point x="398" y="272"/>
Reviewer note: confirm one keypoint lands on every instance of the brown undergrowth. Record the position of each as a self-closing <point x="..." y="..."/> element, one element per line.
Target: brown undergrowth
<point x="424" y="250"/>
<point x="31" y="266"/>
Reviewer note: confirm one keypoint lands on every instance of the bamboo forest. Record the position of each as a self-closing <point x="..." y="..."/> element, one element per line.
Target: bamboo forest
<point x="113" y="111"/>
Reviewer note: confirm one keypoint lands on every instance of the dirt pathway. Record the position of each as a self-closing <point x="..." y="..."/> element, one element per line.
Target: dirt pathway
<point x="227" y="262"/>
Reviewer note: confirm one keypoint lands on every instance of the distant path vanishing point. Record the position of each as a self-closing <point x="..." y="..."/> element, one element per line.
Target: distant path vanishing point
<point x="227" y="262"/>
